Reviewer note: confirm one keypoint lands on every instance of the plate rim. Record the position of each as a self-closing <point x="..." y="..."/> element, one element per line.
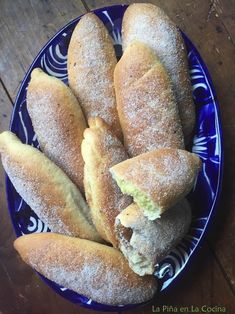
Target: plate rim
<point x="218" y="126"/>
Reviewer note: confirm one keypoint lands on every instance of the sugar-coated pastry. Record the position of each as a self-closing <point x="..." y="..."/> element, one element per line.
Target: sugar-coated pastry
<point x="102" y="150"/>
<point x="96" y="271"/>
<point x="46" y="189"/>
<point x="144" y="242"/>
<point x="157" y="180"/>
<point x="147" y="109"/>
<point x="58" y="122"/>
<point x="147" y="23"/>
<point x="91" y="62"/>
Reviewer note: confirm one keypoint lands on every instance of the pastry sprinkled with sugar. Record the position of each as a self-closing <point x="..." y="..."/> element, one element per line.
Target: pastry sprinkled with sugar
<point x="91" y="63"/>
<point x="149" y="24"/>
<point x="94" y="270"/>
<point x="157" y="180"/>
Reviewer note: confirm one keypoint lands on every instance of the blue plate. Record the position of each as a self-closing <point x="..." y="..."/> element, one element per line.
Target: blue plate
<point x="207" y="143"/>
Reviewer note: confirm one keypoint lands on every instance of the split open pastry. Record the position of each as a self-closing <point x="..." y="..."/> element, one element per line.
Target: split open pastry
<point x="157" y="180"/>
<point x="144" y="242"/>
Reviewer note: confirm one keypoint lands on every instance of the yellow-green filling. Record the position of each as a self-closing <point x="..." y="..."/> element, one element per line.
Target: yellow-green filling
<point x="140" y="198"/>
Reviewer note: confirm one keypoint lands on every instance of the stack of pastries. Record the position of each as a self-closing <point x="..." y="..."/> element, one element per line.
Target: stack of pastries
<point x="112" y="175"/>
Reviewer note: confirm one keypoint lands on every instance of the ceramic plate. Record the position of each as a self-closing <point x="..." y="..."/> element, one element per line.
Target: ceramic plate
<point x="206" y="143"/>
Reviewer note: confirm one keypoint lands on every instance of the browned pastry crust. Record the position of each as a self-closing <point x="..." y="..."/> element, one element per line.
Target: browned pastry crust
<point x="97" y="271"/>
<point x="46" y="189"/>
<point x="102" y="150"/>
<point x="146" y="105"/>
<point x="91" y="62"/>
<point x="157" y="180"/>
<point x="147" y="23"/>
<point x="58" y="122"/>
<point x="145" y="243"/>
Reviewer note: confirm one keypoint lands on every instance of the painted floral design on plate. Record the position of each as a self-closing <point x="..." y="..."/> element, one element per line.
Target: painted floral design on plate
<point x="206" y="143"/>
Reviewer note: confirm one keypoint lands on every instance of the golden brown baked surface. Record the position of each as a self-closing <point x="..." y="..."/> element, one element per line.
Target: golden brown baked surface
<point x="146" y="105"/>
<point x="149" y="91"/>
<point x="150" y="241"/>
<point x="159" y="179"/>
<point x="91" y="62"/>
<point x="102" y="150"/>
<point x="58" y="122"/>
<point x="46" y="189"/>
<point x="147" y="23"/>
<point x="97" y="271"/>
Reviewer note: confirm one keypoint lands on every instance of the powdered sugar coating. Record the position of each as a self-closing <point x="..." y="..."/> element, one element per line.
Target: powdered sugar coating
<point x="94" y="270"/>
<point x="149" y="24"/>
<point x="165" y="175"/>
<point x="46" y="189"/>
<point x="146" y="105"/>
<point x="58" y="122"/>
<point x="91" y="62"/>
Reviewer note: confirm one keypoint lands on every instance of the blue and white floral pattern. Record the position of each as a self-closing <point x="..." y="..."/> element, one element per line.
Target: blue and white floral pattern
<point x="207" y="144"/>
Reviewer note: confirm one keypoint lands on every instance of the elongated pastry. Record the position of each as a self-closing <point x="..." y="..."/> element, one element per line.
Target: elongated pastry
<point x="157" y="180"/>
<point x="102" y="150"/>
<point x="144" y="242"/>
<point x="46" y="189"/>
<point x="58" y="122"/>
<point x="146" y="105"/>
<point x="94" y="270"/>
<point x="147" y="23"/>
<point x="91" y="62"/>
